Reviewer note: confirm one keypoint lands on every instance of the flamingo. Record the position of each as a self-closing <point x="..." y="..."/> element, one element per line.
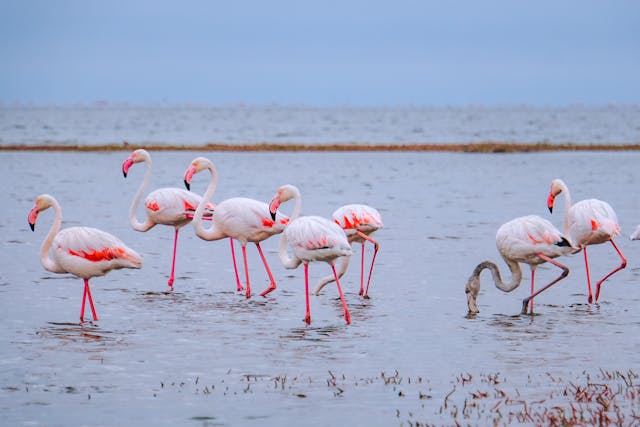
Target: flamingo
<point x="310" y="238"/>
<point x="85" y="252"/>
<point x="165" y="206"/>
<point x="240" y="218"/>
<point x="589" y="222"/>
<point x="531" y="240"/>
<point x="358" y="222"/>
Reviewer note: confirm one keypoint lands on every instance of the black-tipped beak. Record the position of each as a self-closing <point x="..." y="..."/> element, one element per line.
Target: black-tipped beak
<point x="187" y="185"/>
<point x="273" y="215"/>
<point x="124" y="173"/>
<point x="551" y="209"/>
<point x="33" y="227"/>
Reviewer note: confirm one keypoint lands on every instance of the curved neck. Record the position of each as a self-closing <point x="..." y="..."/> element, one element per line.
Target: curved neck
<point x="286" y="260"/>
<point x="567" y="206"/>
<point x="137" y="225"/>
<point x="342" y="268"/>
<point x="212" y="233"/>
<point x="298" y="205"/>
<point x="45" y="256"/>
<point x="514" y="281"/>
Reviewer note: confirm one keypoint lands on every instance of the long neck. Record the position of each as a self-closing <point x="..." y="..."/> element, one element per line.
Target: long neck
<point x="514" y="281"/>
<point x="45" y="252"/>
<point x="286" y="260"/>
<point x="137" y="225"/>
<point x="213" y="233"/>
<point x="342" y="268"/>
<point x="567" y="206"/>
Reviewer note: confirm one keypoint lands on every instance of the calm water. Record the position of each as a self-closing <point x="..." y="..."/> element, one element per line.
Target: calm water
<point x="312" y="125"/>
<point x="205" y="355"/>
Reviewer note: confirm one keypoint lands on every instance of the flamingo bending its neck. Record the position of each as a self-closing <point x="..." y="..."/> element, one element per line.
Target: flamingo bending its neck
<point x="240" y="218"/>
<point x="531" y="240"/>
<point x="166" y="206"/>
<point x="310" y="238"/>
<point x="85" y="252"/>
<point x="588" y="222"/>
<point x="359" y="222"/>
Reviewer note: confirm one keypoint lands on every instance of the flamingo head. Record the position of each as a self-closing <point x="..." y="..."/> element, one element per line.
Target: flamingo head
<point x="139" y="155"/>
<point x="285" y="193"/>
<point x="43" y="202"/>
<point x="472" y="290"/>
<point x="197" y="165"/>
<point x="557" y="185"/>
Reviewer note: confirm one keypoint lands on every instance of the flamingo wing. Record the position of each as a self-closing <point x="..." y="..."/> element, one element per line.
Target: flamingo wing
<point x="522" y="239"/>
<point x="173" y="206"/>
<point x="248" y="219"/>
<point x="593" y="221"/>
<point x="88" y="252"/>
<point x="358" y="217"/>
<point x="313" y="238"/>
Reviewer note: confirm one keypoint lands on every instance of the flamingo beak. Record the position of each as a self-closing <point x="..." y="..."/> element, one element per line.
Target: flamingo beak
<point x="550" y="201"/>
<point x="33" y="214"/>
<point x="273" y="207"/>
<point x="188" y="175"/>
<point x="126" y="165"/>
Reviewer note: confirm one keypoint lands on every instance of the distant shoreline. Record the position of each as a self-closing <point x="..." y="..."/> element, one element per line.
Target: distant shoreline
<point x="481" y="147"/>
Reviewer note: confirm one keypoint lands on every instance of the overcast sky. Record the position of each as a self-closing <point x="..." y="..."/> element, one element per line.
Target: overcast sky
<point x="321" y="53"/>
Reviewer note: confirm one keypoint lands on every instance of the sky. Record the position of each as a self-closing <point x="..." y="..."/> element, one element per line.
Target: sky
<point x="327" y="52"/>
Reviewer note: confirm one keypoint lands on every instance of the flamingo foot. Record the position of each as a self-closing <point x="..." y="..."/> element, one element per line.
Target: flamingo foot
<point x="366" y="296"/>
<point x="307" y="319"/>
<point x="271" y="288"/>
<point x="248" y="294"/>
<point x="525" y="304"/>
<point x="170" y="283"/>
<point x="347" y="317"/>
<point x="590" y="299"/>
<point x="361" y="293"/>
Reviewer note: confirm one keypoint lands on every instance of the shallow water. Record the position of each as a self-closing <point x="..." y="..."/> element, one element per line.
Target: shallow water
<point x="240" y="124"/>
<point x="205" y="355"/>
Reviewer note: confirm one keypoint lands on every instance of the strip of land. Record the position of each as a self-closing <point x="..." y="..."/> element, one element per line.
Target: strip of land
<point x="481" y="147"/>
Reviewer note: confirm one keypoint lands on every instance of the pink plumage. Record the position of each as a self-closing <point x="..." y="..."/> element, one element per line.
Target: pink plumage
<point x="85" y="252"/>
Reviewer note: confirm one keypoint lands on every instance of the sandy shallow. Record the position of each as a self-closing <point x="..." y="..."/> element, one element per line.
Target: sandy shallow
<point x="205" y="355"/>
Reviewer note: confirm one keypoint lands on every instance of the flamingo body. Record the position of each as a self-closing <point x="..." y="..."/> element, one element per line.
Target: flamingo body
<point x="85" y="252"/>
<point x="530" y="240"/>
<point x="309" y="239"/>
<point x="239" y="218"/>
<point x="589" y="222"/>
<point x="165" y="206"/>
<point x="359" y="222"/>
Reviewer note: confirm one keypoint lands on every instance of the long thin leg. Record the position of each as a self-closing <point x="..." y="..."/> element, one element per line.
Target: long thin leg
<point x="93" y="309"/>
<point x="347" y="315"/>
<point x="376" y="246"/>
<point x="235" y="266"/>
<point x="246" y="269"/>
<point x="620" y="267"/>
<point x="84" y="298"/>
<point x="307" y="316"/>
<point x="272" y="281"/>
<point x="533" y="279"/>
<point x="362" y="272"/>
<point x="586" y="265"/>
<point x="565" y="272"/>
<point x="173" y="261"/>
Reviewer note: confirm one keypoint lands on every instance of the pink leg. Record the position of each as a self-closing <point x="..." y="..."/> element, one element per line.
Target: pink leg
<point x="246" y="269"/>
<point x="307" y="316"/>
<point x="586" y="265"/>
<point x="173" y="261"/>
<point x="88" y="291"/>
<point x="235" y="266"/>
<point x="347" y="315"/>
<point x="84" y="299"/>
<point x="376" y="246"/>
<point x="272" y="282"/>
<point x="620" y="267"/>
<point x="533" y="289"/>
<point x="362" y="272"/>
<point x="565" y="272"/>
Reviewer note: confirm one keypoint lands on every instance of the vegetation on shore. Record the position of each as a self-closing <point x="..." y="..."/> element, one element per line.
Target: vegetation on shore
<point x="480" y="147"/>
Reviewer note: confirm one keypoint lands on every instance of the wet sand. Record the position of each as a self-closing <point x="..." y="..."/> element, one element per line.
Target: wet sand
<point x="205" y="355"/>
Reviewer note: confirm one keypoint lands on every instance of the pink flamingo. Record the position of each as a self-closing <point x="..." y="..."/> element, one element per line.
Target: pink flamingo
<point x="245" y="220"/>
<point x="588" y="222"/>
<point x="84" y="252"/>
<point x="358" y="222"/>
<point x="165" y="206"/>
<point x="531" y="240"/>
<point x="310" y="238"/>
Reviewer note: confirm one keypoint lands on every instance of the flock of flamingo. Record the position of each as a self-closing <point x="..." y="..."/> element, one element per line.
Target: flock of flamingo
<point x="534" y="240"/>
<point x="87" y="252"/>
